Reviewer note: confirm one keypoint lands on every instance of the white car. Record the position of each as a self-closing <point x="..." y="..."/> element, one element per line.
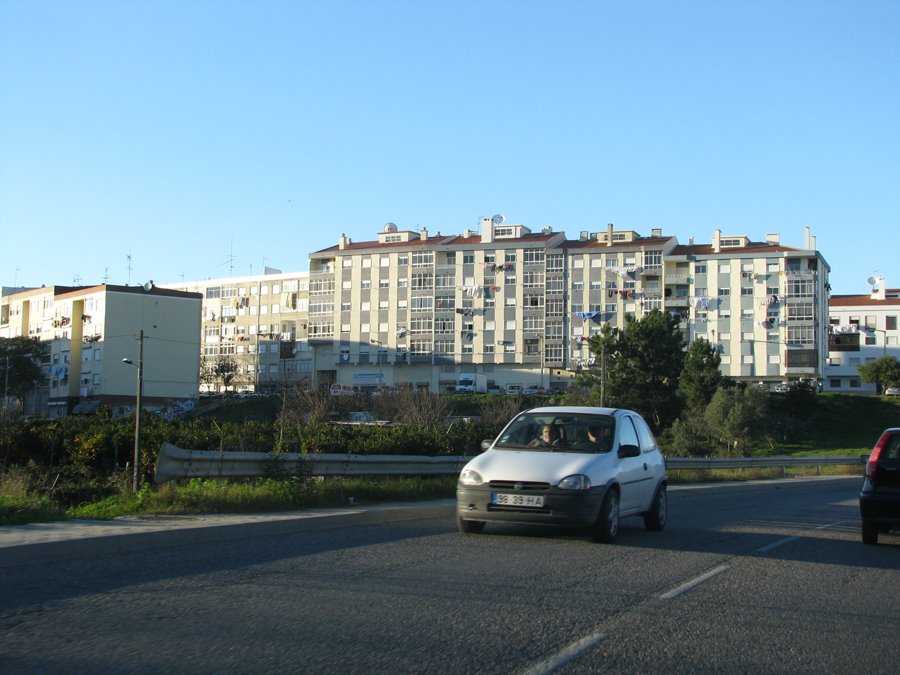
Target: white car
<point x="571" y="466"/>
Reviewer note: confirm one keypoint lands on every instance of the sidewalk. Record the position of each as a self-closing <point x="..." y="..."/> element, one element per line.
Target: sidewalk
<point x="44" y="542"/>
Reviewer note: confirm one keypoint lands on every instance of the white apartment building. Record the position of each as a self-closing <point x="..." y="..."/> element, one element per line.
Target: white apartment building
<point x="413" y="309"/>
<point x="862" y="328"/>
<point x="89" y="331"/>
<point x="259" y="322"/>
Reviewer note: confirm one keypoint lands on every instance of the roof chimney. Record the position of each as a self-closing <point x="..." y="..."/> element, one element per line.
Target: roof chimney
<point x="773" y="239"/>
<point x="487" y="231"/>
<point x="807" y="239"/>
<point x="609" y="234"/>
<point x="423" y="234"/>
<point x="717" y="241"/>
<point x="342" y="242"/>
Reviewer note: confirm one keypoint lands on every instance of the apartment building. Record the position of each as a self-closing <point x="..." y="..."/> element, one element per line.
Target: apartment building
<point x="259" y="324"/>
<point x="414" y="309"/>
<point x="92" y="331"/>
<point x="861" y="328"/>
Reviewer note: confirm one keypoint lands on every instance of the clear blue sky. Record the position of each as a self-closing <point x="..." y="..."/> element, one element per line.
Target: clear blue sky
<point x="205" y="139"/>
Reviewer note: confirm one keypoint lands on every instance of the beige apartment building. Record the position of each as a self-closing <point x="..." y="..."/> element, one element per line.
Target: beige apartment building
<point x="92" y="333"/>
<point x="414" y="309"/>
<point x="258" y="323"/>
<point x="861" y="329"/>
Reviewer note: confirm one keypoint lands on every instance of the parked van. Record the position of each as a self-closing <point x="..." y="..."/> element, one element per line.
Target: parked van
<point x="341" y="390"/>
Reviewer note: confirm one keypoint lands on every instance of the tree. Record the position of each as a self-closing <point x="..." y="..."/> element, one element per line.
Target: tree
<point x="225" y="369"/>
<point x="882" y="372"/>
<point x="643" y="361"/>
<point x="736" y="418"/>
<point x="20" y="363"/>
<point x="700" y="376"/>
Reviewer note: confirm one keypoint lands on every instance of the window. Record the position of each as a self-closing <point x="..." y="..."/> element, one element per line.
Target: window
<point x="723" y="292"/>
<point x="700" y="268"/>
<point x="423" y="258"/>
<point x="534" y="256"/>
<point x="724" y="268"/>
<point x="468" y="258"/>
<point x="747" y="290"/>
<point x="652" y="258"/>
<point x="890" y="323"/>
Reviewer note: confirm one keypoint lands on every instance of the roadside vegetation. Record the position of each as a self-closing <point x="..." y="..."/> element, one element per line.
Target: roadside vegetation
<point x="80" y="466"/>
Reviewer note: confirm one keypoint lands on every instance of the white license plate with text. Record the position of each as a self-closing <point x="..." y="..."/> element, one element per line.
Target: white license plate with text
<point x="517" y="500"/>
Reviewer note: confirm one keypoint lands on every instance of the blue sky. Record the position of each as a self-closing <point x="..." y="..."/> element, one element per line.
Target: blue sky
<point x="206" y="139"/>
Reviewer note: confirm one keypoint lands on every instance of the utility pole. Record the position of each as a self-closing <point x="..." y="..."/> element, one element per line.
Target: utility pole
<point x="137" y="414"/>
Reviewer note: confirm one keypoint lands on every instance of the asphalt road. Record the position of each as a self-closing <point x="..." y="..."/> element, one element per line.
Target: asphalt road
<point x="762" y="577"/>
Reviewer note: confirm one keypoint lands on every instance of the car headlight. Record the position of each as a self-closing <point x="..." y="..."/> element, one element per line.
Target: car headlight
<point x="470" y="477"/>
<point x="577" y="481"/>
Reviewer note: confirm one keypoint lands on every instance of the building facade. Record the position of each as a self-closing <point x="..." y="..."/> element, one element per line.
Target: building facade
<point x="257" y="324"/>
<point x="862" y="328"/>
<point x="92" y="333"/>
<point x="416" y="310"/>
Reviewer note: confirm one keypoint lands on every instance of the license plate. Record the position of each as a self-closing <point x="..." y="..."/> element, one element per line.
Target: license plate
<point x="517" y="500"/>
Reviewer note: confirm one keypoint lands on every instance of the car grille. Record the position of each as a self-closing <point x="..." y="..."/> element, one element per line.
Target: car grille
<point x="518" y="485"/>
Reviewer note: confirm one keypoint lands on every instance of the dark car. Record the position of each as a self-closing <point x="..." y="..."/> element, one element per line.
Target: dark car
<point x="879" y="501"/>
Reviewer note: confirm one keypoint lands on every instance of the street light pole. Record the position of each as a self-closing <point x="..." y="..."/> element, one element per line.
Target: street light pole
<point x="136" y="471"/>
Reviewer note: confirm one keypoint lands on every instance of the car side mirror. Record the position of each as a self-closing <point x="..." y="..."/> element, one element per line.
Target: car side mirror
<point x="486" y="444"/>
<point x="629" y="451"/>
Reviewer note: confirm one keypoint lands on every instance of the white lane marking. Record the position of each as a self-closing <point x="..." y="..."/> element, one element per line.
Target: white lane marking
<point x="775" y="544"/>
<point x="787" y="540"/>
<point x="565" y="655"/>
<point x="684" y="588"/>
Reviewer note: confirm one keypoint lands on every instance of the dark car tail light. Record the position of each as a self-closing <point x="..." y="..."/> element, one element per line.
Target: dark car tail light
<point x="876" y="454"/>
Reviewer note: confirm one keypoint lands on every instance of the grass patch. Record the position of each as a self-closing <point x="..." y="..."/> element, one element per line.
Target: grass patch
<point x="265" y="496"/>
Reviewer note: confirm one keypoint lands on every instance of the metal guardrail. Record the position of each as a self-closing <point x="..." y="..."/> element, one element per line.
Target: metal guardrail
<point x="175" y="463"/>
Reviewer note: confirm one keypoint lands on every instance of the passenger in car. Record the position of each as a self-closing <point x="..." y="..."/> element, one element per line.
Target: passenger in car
<point x="597" y="439"/>
<point x="550" y="436"/>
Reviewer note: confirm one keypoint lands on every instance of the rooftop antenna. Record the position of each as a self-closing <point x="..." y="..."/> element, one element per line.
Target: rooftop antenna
<point x="105" y="276"/>
<point x="128" y="258"/>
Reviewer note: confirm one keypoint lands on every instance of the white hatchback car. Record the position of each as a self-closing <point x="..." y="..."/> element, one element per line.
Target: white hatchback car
<point x="572" y="466"/>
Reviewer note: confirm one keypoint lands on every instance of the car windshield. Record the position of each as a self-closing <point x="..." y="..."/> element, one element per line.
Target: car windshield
<point x="558" y="433"/>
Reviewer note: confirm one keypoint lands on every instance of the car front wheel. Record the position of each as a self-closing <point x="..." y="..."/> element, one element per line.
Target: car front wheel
<point x="607" y="526"/>
<point x="470" y="526"/>
<point x="655" y="518"/>
<point x="869" y="532"/>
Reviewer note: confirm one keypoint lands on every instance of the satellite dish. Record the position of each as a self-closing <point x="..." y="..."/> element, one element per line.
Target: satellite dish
<point x="497" y="219"/>
<point x="148" y="286"/>
<point x="871" y="281"/>
<point x="390" y="227"/>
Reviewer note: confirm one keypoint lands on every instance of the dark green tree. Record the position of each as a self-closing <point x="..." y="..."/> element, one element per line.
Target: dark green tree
<point x="20" y="365"/>
<point x="736" y="419"/>
<point x="700" y="376"/>
<point x="882" y="372"/>
<point x="642" y="361"/>
<point x="225" y="369"/>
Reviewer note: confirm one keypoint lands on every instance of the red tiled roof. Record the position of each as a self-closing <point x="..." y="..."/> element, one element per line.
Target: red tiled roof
<point x="447" y="240"/>
<point x="751" y="247"/>
<point x="593" y="243"/>
<point x="862" y="300"/>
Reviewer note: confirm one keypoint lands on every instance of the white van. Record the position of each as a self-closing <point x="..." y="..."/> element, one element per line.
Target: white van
<point x="341" y="390"/>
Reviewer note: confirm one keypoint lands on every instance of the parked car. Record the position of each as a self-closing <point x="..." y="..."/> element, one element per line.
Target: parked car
<point x="534" y="390"/>
<point x="569" y="465"/>
<point x="514" y="389"/>
<point x="892" y="391"/>
<point x="879" y="500"/>
<point x="494" y="389"/>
